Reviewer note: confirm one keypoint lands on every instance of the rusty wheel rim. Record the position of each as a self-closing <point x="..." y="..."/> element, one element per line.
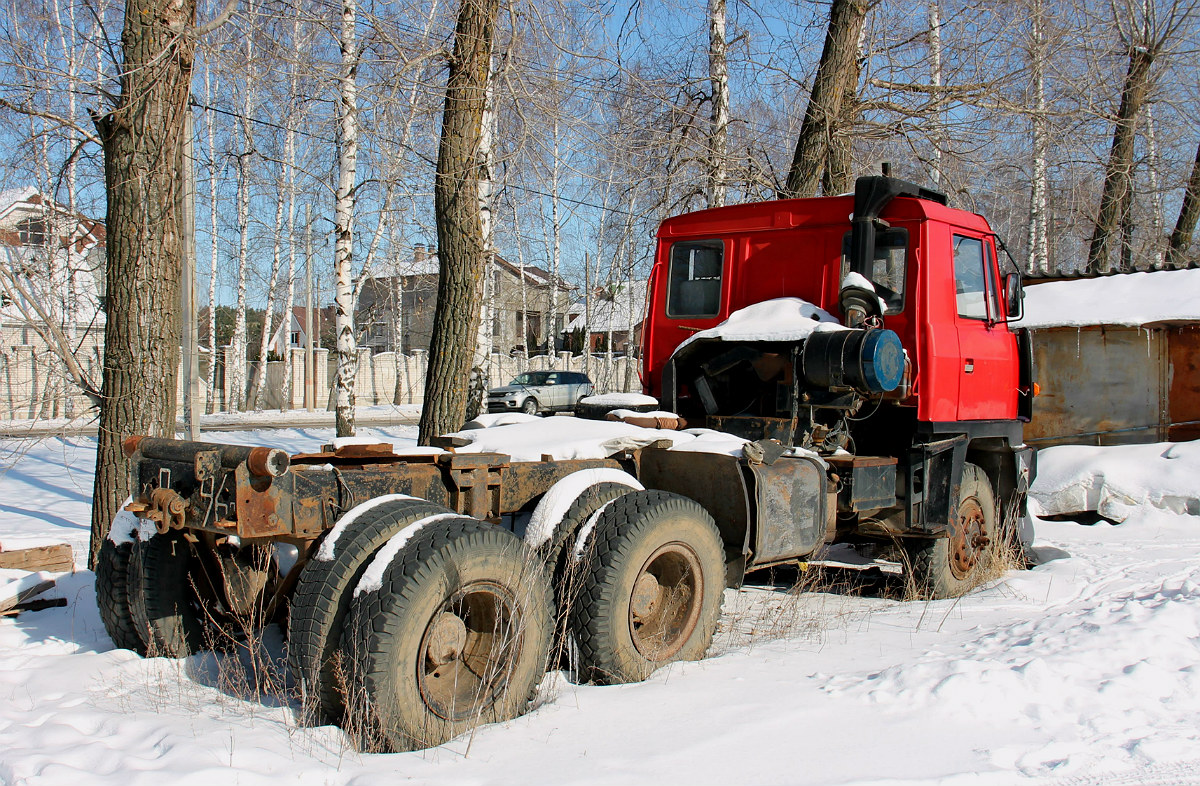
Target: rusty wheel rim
<point x="468" y="651"/>
<point x="664" y="606"/>
<point x="970" y="539"/>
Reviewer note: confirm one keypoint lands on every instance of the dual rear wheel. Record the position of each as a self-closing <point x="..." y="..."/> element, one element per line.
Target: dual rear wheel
<point x="419" y="624"/>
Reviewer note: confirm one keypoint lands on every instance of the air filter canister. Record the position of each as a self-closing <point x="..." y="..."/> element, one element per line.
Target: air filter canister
<point x="871" y="361"/>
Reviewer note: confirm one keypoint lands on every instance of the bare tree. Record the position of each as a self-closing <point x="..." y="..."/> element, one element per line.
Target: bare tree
<point x="1189" y="213"/>
<point x="1145" y="34"/>
<point x="460" y="229"/>
<point x="832" y="81"/>
<point x="718" y="77"/>
<point x="236" y="368"/>
<point x="1038" y="237"/>
<point x="142" y="138"/>
<point x="347" y="355"/>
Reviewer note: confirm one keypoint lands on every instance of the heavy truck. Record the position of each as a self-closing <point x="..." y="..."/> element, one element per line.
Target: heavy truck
<point x="857" y="351"/>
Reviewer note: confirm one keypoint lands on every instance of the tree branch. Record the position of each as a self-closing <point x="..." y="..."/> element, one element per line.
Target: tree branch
<point x="62" y="121"/>
<point x="211" y="25"/>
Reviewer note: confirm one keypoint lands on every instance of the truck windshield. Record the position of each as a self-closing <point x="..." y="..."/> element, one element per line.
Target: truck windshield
<point x="694" y="284"/>
<point x="890" y="266"/>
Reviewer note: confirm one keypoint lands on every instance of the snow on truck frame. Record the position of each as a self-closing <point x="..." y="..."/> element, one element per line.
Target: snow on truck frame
<point x="413" y="609"/>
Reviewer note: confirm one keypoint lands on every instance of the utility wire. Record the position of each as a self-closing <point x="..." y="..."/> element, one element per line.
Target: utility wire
<point x="515" y="186"/>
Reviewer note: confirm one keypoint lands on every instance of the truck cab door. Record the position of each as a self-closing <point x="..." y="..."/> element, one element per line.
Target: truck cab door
<point x="987" y="370"/>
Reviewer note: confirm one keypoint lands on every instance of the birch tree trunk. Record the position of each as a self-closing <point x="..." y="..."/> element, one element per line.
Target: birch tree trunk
<point x="935" y="81"/>
<point x="236" y="372"/>
<point x="459" y="224"/>
<point x="289" y="163"/>
<point x="556" y="242"/>
<point x="836" y="68"/>
<point x="264" y="342"/>
<point x="718" y="77"/>
<point x="210" y="131"/>
<point x="1156" y="200"/>
<point x="1039" y="250"/>
<point x="343" y="253"/>
<point x="236" y="376"/>
<point x="477" y="389"/>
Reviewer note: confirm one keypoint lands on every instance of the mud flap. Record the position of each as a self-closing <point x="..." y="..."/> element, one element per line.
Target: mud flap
<point x="934" y="474"/>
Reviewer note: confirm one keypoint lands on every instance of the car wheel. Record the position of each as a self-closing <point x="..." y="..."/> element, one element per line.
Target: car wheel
<point x="529" y="406"/>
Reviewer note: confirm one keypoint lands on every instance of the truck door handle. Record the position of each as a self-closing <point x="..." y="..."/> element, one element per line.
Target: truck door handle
<point x="969" y="365"/>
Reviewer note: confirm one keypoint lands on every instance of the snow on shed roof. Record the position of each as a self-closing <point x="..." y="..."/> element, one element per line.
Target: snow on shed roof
<point x="612" y="314"/>
<point x="1125" y="299"/>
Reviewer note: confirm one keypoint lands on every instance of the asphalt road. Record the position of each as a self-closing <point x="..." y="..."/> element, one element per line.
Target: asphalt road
<point x="313" y="419"/>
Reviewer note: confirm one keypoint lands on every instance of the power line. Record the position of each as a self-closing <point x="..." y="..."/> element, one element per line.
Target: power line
<point x="515" y="186"/>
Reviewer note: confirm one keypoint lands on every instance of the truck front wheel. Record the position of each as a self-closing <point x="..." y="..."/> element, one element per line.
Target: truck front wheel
<point x="456" y="634"/>
<point x="952" y="566"/>
<point x="651" y="589"/>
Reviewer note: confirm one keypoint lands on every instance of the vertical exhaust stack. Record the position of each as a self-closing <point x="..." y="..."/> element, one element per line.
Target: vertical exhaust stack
<point x="872" y="194"/>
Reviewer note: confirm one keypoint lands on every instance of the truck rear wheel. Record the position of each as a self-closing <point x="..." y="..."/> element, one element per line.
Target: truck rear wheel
<point x="112" y="595"/>
<point x="652" y="589"/>
<point x="559" y="552"/>
<point x="456" y="635"/>
<point x="562" y="563"/>
<point x="953" y="566"/>
<point x="166" y="611"/>
<point x="322" y="599"/>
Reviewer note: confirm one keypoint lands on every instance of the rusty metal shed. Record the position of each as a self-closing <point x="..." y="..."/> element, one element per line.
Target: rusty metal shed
<point x="1117" y="358"/>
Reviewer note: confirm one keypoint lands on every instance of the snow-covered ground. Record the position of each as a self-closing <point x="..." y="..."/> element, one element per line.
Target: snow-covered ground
<point x="1083" y="670"/>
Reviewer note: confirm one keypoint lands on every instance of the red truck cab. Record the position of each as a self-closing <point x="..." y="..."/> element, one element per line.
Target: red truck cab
<point x="935" y="267"/>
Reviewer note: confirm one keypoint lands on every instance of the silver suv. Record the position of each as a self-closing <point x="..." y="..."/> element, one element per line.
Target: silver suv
<point x="540" y="391"/>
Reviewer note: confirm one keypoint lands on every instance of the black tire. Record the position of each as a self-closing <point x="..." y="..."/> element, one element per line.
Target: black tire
<point x="558" y="553"/>
<point x="564" y="568"/>
<point x="167" y="615"/>
<point x="598" y="412"/>
<point x="463" y="599"/>
<point x="529" y="406"/>
<point x="953" y="566"/>
<point x="112" y="595"/>
<point x="562" y="542"/>
<point x="652" y="589"/>
<point x="322" y="599"/>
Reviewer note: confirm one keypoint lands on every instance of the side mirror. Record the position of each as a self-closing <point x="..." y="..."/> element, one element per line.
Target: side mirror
<point x="1014" y="297"/>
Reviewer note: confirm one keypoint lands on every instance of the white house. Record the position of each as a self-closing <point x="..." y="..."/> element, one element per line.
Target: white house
<point x="51" y="304"/>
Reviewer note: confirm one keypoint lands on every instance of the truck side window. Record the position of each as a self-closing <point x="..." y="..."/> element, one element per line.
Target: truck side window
<point x="970" y="278"/>
<point x="889" y="268"/>
<point x="694" y="287"/>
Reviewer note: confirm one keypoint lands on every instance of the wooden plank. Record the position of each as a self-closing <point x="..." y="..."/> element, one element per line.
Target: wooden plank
<point x="39" y="604"/>
<point x="56" y="558"/>
<point x="25" y="595"/>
